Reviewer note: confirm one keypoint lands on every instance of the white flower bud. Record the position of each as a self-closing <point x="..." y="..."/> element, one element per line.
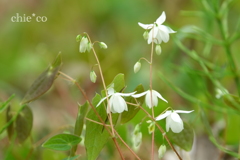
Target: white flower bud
<point x="137" y="67"/>
<point x="158" y="49"/>
<point x="136" y="137"/>
<point x="93" y="76"/>
<point x="83" y="44"/>
<point x="161" y="151"/>
<point x="145" y="35"/>
<point x="103" y="45"/>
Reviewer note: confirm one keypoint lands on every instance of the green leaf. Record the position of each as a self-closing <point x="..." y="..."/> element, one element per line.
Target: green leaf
<point x="119" y="82"/>
<point x="233" y="129"/>
<point x="71" y="158"/>
<point x="132" y="110"/>
<point x="44" y="82"/>
<point x="23" y="124"/>
<point x="62" y="142"/>
<point x="5" y="104"/>
<point x="96" y="135"/>
<point x="82" y="111"/>
<point x="183" y="139"/>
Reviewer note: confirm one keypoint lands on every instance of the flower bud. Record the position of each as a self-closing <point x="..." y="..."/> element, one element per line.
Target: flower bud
<point x="137" y="67"/>
<point x="161" y="151"/>
<point x="83" y="44"/>
<point x="78" y="38"/>
<point x="158" y="49"/>
<point x="93" y="76"/>
<point x="136" y="137"/>
<point x="145" y="35"/>
<point x="151" y="128"/>
<point x="103" y="45"/>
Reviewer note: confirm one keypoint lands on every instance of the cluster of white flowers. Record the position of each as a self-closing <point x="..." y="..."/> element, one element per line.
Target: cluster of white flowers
<point x="117" y="104"/>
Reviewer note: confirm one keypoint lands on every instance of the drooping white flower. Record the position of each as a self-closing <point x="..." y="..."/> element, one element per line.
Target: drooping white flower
<point x="116" y="103"/>
<point x="83" y="44"/>
<point x="158" y="32"/>
<point x="148" y="93"/>
<point x="173" y="120"/>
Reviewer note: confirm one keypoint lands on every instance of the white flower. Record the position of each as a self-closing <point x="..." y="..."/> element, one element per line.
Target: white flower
<point x="173" y="120"/>
<point x="148" y="93"/>
<point x="158" y="31"/>
<point x="83" y="45"/>
<point x="116" y="103"/>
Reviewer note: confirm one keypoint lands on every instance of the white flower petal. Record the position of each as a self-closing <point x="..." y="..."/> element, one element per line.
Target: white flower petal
<point x="177" y="127"/>
<point x="162" y="116"/>
<point x="166" y="29"/>
<point x="161" y="19"/>
<point x="119" y="104"/>
<point x="159" y="95"/>
<point x="126" y="94"/>
<point x="168" y="122"/>
<point x="181" y="111"/>
<point x="152" y="34"/>
<point x="154" y="99"/>
<point x="175" y="117"/>
<point x="163" y="35"/>
<point x="101" y="101"/>
<point x="148" y="99"/>
<point x="140" y="94"/>
<point x="145" y="26"/>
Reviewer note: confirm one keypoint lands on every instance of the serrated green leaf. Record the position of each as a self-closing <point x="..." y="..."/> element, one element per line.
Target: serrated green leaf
<point x="132" y="110"/>
<point x="183" y="139"/>
<point x="5" y="104"/>
<point x="62" y="142"/>
<point x="71" y="158"/>
<point x="44" y="82"/>
<point x="23" y="124"/>
<point x="10" y="129"/>
<point x="96" y="135"/>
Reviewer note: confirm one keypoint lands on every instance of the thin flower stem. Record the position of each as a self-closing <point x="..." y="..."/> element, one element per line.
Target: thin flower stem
<point x="145" y="60"/>
<point x="127" y="145"/>
<point x="161" y="130"/>
<point x="104" y="85"/>
<point x="95" y="111"/>
<point x="150" y="85"/>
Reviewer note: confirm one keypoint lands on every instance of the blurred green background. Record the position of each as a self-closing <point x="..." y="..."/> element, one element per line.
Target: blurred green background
<point x="27" y="48"/>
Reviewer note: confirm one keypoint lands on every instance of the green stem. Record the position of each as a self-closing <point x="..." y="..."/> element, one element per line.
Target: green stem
<point x="227" y="47"/>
